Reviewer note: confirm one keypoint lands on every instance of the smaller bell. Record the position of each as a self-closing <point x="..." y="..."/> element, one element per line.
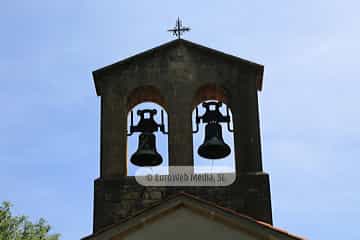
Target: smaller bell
<point x="146" y="155"/>
<point x="214" y="146"/>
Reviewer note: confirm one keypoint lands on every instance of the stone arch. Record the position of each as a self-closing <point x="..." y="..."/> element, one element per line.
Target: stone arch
<point x="211" y="91"/>
<point x="146" y="93"/>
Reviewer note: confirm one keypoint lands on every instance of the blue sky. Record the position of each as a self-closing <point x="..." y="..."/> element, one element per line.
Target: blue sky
<point x="49" y="141"/>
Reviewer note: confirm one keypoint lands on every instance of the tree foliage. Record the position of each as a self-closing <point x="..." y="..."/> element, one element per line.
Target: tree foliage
<point x="20" y="228"/>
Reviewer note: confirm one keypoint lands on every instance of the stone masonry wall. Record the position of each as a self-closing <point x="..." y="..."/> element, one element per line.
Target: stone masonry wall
<point x="120" y="198"/>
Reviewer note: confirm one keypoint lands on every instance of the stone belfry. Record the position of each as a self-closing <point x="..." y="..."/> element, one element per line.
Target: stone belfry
<point x="179" y="75"/>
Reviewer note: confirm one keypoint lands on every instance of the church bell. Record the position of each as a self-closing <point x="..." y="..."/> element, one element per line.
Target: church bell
<point x="214" y="146"/>
<point x="146" y="155"/>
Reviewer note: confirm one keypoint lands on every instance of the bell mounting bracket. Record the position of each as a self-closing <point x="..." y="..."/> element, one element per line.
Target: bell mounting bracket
<point x="212" y="115"/>
<point x="147" y="122"/>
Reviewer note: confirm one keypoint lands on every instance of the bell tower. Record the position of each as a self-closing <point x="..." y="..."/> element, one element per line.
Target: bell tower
<point x="179" y="75"/>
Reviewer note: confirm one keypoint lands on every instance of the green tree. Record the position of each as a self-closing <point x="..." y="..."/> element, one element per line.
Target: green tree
<point x="20" y="228"/>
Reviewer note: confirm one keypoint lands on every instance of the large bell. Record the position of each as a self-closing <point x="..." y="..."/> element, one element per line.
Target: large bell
<point x="146" y="154"/>
<point x="214" y="146"/>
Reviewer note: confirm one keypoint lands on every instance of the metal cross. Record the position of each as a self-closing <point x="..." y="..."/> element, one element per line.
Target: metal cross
<point x="178" y="30"/>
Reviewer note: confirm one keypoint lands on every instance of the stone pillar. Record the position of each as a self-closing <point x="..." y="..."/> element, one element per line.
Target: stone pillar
<point x="246" y="128"/>
<point x="113" y="136"/>
<point x="180" y="132"/>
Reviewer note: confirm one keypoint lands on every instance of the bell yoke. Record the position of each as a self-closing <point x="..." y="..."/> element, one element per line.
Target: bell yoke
<point x="213" y="147"/>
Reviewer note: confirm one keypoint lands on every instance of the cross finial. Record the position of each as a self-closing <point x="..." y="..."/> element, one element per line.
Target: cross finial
<point x="178" y="30"/>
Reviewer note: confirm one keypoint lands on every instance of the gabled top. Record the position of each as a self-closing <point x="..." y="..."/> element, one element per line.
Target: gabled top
<point x="254" y="228"/>
<point x="176" y="43"/>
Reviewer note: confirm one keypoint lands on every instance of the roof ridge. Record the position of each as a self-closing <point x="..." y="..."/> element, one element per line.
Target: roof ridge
<point x="212" y="204"/>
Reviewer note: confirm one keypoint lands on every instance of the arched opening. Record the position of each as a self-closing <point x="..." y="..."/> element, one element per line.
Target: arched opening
<point x="161" y="139"/>
<point x="206" y="94"/>
<point x="147" y="98"/>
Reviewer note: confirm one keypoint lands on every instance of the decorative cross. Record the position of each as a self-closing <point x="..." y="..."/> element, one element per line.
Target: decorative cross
<point x="178" y="30"/>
